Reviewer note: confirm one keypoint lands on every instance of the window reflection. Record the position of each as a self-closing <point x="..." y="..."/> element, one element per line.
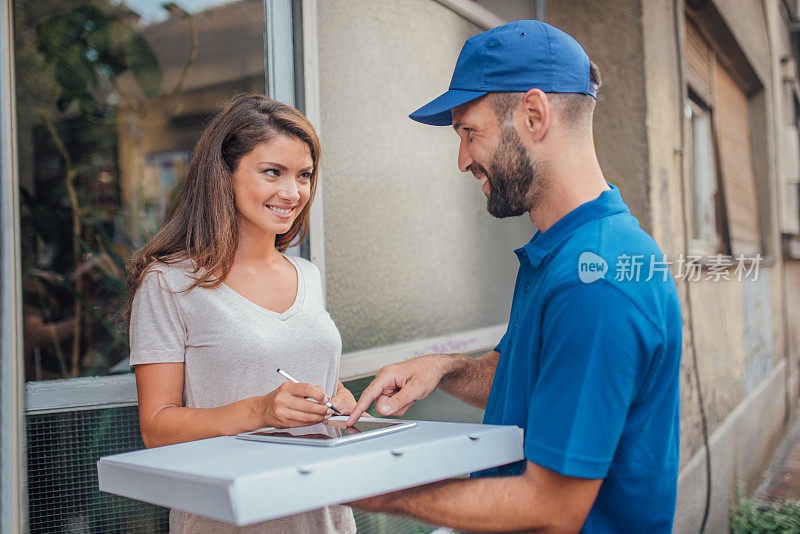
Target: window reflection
<point x="111" y="97"/>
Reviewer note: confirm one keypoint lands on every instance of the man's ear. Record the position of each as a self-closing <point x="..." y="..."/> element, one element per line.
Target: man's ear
<point x="536" y="113"/>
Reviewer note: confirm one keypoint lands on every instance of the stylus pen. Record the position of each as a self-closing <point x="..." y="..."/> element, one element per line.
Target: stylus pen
<point x="287" y="376"/>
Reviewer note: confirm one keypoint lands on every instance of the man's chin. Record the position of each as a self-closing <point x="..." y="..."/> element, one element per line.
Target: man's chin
<point x="502" y="212"/>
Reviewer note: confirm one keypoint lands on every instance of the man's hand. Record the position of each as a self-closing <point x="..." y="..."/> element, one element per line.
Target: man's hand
<point x="396" y="387"/>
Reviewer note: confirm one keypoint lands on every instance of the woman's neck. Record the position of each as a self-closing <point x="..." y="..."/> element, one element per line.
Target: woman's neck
<point x="255" y="247"/>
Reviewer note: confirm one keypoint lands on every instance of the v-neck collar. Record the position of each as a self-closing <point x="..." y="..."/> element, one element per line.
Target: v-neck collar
<point x="290" y="312"/>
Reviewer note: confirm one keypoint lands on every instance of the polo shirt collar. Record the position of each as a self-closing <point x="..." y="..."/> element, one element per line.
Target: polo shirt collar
<point x="608" y="203"/>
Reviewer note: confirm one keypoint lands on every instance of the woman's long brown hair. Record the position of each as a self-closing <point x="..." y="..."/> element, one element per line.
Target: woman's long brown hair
<point x="203" y="224"/>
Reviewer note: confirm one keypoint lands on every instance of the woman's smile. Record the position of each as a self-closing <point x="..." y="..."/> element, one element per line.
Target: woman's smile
<point x="282" y="212"/>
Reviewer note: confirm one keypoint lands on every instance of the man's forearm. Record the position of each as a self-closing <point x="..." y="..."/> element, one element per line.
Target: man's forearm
<point x="469" y="378"/>
<point x="480" y="505"/>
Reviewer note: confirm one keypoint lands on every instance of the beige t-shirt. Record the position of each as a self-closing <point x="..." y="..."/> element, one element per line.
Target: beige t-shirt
<point x="231" y="348"/>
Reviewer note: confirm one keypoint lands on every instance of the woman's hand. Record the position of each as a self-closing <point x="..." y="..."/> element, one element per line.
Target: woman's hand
<point x="288" y="405"/>
<point x="343" y="400"/>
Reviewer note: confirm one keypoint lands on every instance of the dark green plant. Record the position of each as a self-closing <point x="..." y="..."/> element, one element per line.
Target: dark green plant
<point x="87" y="45"/>
<point x="70" y="56"/>
<point x="755" y="516"/>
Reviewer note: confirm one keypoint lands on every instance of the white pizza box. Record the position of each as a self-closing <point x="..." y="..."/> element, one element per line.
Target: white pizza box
<point x="244" y="482"/>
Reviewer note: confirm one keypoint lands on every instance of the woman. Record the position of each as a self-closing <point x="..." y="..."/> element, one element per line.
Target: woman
<point x="216" y="307"/>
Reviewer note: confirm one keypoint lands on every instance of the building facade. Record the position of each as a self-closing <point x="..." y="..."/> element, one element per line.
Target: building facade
<point x="696" y="122"/>
<point x="698" y="125"/>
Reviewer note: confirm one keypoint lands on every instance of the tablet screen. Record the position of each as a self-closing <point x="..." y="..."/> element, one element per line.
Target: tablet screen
<point x="326" y="430"/>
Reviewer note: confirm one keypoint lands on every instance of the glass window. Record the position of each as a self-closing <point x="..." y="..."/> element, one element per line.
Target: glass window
<point x="790" y="197"/>
<point x="111" y="97"/>
<point x="703" y="180"/>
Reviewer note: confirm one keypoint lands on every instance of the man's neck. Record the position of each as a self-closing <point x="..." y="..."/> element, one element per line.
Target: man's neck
<point x="571" y="181"/>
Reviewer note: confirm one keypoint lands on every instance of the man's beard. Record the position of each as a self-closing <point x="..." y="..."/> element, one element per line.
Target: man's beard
<point x="511" y="175"/>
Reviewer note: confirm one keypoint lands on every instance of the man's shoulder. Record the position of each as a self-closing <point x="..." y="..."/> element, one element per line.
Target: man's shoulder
<point x="617" y="251"/>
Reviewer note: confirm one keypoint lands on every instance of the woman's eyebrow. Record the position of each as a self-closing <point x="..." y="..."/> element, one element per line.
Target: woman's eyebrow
<point x="284" y="167"/>
<point x="278" y="165"/>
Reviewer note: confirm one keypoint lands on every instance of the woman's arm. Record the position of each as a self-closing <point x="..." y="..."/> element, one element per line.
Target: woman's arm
<point x="164" y="420"/>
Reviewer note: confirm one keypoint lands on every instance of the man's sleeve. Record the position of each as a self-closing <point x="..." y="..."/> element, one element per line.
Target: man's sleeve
<point x="502" y="344"/>
<point x="596" y="345"/>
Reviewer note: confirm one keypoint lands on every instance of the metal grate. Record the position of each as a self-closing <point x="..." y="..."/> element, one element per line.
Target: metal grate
<point x="63" y="449"/>
<point x="388" y="524"/>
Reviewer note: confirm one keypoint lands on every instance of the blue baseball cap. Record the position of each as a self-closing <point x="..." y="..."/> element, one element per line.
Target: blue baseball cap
<point x="514" y="57"/>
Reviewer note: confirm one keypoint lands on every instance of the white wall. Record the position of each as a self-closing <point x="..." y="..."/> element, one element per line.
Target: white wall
<point x="410" y="250"/>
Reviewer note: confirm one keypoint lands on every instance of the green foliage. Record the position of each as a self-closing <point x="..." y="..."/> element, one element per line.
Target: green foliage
<point x="69" y="57"/>
<point x="86" y="45"/>
<point x="754" y="516"/>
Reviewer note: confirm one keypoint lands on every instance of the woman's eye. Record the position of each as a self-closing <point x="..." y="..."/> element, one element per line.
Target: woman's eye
<point x="272" y="172"/>
<point x="306" y="176"/>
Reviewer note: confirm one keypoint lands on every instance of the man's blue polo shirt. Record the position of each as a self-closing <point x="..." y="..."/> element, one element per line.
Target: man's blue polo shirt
<point x="589" y="365"/>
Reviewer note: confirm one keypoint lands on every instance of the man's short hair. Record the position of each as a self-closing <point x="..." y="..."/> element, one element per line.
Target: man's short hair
<point x="573" y="108"/>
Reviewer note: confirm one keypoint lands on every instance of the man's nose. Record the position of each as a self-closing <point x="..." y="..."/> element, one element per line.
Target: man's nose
<point x="464" y="157"/>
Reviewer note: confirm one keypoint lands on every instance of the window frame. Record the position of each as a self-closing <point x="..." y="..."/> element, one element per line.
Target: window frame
<point x="13" y="509"/>
<point x="698" y="246"/>
<point x="283" y="61"/>
<point x="721" y="54"/>
<point x="119" y="390"/>
<point x="790" y="222"/>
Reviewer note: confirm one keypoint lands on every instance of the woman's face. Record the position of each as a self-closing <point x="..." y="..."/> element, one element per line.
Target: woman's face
<point x="272" y="184"/>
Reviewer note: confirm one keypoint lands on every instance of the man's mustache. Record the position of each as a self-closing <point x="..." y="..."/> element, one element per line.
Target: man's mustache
<point x="477" y="169"/>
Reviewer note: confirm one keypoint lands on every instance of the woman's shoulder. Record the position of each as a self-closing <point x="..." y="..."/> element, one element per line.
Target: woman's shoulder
<point x="304" y="264"/>
<point x="310" y="273"/>
<point x="178" y="275"/>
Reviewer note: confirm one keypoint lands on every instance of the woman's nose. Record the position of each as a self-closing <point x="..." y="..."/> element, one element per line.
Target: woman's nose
<point x="289" y="191"/>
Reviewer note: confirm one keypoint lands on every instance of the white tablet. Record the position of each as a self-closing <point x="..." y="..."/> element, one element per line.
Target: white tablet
<point x="329" y="433"/>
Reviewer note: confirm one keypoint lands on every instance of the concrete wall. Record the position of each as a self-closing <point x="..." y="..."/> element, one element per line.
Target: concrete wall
<point x="410" y="250"/>
<point x="610" y="32"/>
<point x="740" y="448"/>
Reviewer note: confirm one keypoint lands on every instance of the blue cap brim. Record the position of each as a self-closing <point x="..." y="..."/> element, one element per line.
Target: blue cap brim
<point x="437" y="111"/>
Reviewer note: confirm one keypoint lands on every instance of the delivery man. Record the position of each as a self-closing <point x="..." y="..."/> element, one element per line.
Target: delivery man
<point x="589" y="364"/>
